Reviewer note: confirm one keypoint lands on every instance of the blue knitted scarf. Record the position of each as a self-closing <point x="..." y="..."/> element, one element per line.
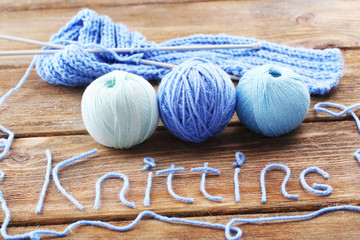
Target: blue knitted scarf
<point x="320" y="69"/>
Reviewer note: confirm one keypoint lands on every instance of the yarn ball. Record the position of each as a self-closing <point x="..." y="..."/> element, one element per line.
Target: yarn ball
<point x="120" y="109"/>
<point x="196" y="100"/>
<point x="271" y="100"/>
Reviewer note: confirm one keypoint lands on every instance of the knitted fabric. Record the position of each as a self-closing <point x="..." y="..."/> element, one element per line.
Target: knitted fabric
<point x="320" y="69"/>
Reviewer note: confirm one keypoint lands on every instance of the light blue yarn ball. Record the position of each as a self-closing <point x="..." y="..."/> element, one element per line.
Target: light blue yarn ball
<point x="196" y="100"/>
<point x="271" y="100"/>
<point x="120" y="109"/>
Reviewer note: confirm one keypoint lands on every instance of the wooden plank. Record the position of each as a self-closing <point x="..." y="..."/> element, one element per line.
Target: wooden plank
<point x="329" y="146"/>
<point x="336" y="225"/>
<point x="21" y="5"/>
<point x="39" y="108"/>
<point x="292" y="23"/>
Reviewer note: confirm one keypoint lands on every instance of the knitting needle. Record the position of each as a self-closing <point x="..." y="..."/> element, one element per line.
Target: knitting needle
<point x="256" y="45"/>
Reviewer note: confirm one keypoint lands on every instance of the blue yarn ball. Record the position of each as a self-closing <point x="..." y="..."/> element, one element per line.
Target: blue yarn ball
<point x="271" y="100"/>
<point x="196" y="100"/>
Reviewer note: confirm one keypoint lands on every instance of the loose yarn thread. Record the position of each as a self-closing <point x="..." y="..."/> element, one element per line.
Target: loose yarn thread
<point x="6" y="143"/>
<point x="46" y="182"/>
<point x="284" y="218"/>
<point x="321" y="107"/>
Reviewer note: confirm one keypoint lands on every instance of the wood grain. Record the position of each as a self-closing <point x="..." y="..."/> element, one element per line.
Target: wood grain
<point x="294" y="23"/>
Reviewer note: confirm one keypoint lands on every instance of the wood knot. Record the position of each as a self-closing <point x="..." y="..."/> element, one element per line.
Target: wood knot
<point x="305" y="18"/>
<point x="19" y="157"/>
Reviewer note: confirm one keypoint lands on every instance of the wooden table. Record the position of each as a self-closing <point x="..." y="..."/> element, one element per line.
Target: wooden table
<point x="44" y="116"/>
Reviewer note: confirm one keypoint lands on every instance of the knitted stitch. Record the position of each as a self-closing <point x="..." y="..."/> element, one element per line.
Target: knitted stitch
<point x="320" y="69"/>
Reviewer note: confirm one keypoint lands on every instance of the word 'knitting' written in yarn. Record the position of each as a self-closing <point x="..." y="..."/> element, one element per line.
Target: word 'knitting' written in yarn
<point x="171" y="171"/>
<point x="228" y="228"/>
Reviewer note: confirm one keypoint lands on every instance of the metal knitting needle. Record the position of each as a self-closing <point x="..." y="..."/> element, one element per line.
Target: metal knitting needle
<point x="256" y="45"/>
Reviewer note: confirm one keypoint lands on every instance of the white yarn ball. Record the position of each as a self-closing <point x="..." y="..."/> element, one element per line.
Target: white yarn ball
<point x="120" y="109"/>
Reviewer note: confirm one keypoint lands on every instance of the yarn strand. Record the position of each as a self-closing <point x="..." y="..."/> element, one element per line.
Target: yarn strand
<point x="122" y="193"/>
<point x="321" y="107"/>
<point x="283" y="185"/>
<point x="57" y="181"/>
<point x="205" y="169"/>
<point x="320" y="189"/>
<point x="236" y="185"/>
<point x="283" y="218"/>
<point x="46" y="182"/>
<point x="171" y="171"/>
<point x="6" y="143"/>
<point x="148" y="190"/>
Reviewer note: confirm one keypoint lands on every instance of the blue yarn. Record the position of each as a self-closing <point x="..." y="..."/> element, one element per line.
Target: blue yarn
<point x="357" y="155"/>
<point x="196" y="100"/>
<point x="6" y="143"/>
<point x="57" y="181"/>
<point x="205" y="169"/>
<point x="46" y="182"/>
<point x="36" y="235"/>
<point x="148" y="190"/>
<point x="171" y="171"/>
<point x="320" y="107"/>
<point x="271" y="100"/>
<point x="236" y="185"/>
<point x="326" y="189"/>
<point x="240" y="159"/>
<point x="283" y="185"/>
<point x="149" y="163"/>
<point x="283" y="218"/>
<point x="321" y="69"/>
<point x="122" y="192"/>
